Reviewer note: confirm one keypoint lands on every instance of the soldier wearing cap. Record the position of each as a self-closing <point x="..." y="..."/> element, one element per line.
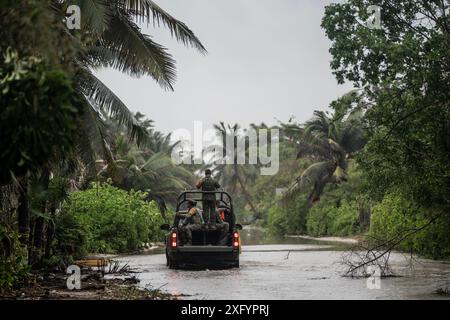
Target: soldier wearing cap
<point x="192" y="222"/>
<point x="208" y="199"/>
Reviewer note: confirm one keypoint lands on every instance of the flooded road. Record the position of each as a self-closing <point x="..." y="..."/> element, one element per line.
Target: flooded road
<point x="291" y="271"/>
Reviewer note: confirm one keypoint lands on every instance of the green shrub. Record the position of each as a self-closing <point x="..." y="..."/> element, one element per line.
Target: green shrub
<point x="395" y="215"/>
<point x="318" y="220"/>
<point x="287" y="218"/>
<point x="336" y="214"/>
<point x="71" y="236"/>
<point x="345" y="221"/>
<point x="106" y="219"/>
<point x="327" y="219"/>
<point x="13" y="259"/>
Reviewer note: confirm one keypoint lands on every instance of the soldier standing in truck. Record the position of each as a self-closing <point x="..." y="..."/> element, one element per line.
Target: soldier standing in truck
<point x="209" y="185"/>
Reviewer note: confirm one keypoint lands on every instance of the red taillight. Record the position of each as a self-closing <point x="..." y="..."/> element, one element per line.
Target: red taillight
<point x="173" y="240"/>
<point x="236" y="240"/>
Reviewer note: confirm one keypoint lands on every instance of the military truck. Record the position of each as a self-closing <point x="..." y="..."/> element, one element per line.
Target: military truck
<point x="204" y="251"/>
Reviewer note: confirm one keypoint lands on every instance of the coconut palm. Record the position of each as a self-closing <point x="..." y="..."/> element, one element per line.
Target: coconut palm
<point x="330" y="141"/>
<point x="232" y="176"/>
<point x="155" y="174"/>
<point x="147" y="167"/>
<point x="109" y="37"/>
<point x="112" y="38"/>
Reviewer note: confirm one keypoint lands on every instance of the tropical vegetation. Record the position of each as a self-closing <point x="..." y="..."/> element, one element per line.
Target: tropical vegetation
<point x="61" y="126"/>
<point x="80" y="173"/>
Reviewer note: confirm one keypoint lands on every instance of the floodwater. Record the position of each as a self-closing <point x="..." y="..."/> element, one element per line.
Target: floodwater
<point x="292" y="269"/>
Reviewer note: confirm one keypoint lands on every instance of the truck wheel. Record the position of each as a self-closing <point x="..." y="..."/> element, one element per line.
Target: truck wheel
<point x="236" y="264"/>
<point x="171" y="264"/>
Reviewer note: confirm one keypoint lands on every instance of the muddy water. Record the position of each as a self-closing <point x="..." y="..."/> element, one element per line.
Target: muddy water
<point x="291" y="270"/>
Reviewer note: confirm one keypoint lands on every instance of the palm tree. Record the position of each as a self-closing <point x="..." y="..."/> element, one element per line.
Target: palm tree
<point x="112" y="38"/>
<point x="233" y="175"/>
<point x="147" y="167"/>
<point x="109" y="37"/>
<point x="330" y="141"/>
<point x="156" y="174"/>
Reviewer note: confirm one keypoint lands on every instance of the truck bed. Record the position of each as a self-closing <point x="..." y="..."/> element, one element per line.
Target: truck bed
<point x="207" y="237"/>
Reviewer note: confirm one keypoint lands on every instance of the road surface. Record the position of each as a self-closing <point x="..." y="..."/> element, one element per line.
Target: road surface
<point x="292" y="271"/>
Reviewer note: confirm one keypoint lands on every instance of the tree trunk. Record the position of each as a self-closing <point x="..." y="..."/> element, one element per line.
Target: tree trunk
<point x="8" y="206"/>
<point x="35" y="254"/>
<point x="39" y="223"/>
<point x="23" y="213"/>
<point x="50" y="234"/>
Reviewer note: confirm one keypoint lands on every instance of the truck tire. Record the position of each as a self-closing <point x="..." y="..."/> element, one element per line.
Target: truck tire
<point x="171" y="264"/>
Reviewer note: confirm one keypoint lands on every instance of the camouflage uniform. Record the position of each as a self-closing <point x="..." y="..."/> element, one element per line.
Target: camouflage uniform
<point x="193" y="222"/>
<point x="208" y="199"/>
<point x="223" y="227"/>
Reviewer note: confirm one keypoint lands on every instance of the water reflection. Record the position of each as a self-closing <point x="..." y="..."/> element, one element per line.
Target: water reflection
<point x="291" y="268"/>
<point x="251" y="235"/>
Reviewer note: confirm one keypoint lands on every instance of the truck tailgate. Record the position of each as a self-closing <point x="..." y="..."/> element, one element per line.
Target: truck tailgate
<point x="205" y="249"/>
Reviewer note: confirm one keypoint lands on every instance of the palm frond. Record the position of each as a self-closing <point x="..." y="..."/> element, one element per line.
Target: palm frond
<point x="339" y="175"/>
<point x="96" y="14"/>
<point x="106" y="100"/>
<point x="292" y="131"/>
<point x="91" y="141"/>
<point x="130" y="51"/>
<point x="336" y="148"/>
<point x="315" y="175"/>
<point x="220" y="128"/>
<point x="313" y="150"/>
<point x="316" y="172"/>
<point x="157" y="162"/>
<point x="150" y="12"/>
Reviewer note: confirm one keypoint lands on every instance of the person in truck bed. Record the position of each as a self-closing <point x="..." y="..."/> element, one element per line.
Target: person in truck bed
<point x="192" y="220"/>
<point x="222" y="226"/>
<point x="225" y="214"/>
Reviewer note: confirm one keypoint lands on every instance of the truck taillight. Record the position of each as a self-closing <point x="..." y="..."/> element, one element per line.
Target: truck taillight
<point x="235" y="240"/>
<point x="173" y="240"/>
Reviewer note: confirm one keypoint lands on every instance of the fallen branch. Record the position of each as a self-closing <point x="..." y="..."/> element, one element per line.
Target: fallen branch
<point x="377" y="255"/>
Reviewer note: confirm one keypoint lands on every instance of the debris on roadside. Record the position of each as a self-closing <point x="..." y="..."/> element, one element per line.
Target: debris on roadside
<point x="105" y="280"/>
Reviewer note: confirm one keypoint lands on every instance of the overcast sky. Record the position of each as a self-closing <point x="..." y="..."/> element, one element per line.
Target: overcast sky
<point x="267" y="60"/>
